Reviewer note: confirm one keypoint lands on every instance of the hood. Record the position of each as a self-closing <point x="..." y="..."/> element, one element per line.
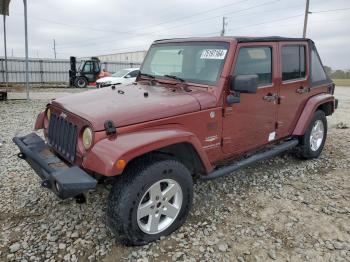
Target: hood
<point x="112" y="79"/>
<point x="131" y="104"/>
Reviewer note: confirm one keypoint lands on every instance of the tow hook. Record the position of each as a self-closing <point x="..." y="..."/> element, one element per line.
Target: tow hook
<point x="21" y="155"/>
<point x="46" y="183"/>
<point x="80" y="199"/>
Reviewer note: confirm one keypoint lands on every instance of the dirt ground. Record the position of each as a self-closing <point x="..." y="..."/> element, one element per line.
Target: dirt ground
<point x="282" y="209"/>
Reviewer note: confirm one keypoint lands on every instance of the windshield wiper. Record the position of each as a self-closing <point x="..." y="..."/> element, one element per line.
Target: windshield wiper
<point x="183" y="81"/>
<point x="151" y="81"/>
<point x="176" y="78"/>
<point x="148" y="75"/>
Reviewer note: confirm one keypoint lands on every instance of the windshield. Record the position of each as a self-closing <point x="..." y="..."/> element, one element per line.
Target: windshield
<point x="193" y="62"/>
<point x="120" y="73"/>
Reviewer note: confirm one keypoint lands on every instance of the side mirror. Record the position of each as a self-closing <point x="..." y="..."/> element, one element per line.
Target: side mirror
<point x="244" y="83"/>
<point x="127" y="76"/>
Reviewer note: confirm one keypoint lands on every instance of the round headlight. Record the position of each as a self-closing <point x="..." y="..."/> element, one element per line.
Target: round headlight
<point x="48" y="113"/>
<point x="87" y="137"/>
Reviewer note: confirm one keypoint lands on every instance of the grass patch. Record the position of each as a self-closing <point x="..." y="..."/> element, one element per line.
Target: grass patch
<point x="341" y="82"/>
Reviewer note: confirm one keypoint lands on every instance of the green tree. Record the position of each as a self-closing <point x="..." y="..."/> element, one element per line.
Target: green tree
<point x="328" y="70"/>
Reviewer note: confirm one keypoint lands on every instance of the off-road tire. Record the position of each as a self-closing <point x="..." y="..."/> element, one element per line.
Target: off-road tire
<point x="304" y="150"/>
<point x="130" y="187"/>
<point x="81" y="82"/>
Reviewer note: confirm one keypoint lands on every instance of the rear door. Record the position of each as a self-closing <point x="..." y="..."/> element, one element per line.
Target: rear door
<point x="250" y="123"/>
<point x="294" y="89"/>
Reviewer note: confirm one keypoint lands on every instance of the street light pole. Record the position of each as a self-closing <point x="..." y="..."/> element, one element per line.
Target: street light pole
<point x="306" y="17"/>
<point x="26" y="46"/>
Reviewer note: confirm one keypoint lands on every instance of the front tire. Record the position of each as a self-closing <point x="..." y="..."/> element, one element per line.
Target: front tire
<point x="151" y="199"/>
<point x="81" y="82"/>
<point x="312" y="142"/>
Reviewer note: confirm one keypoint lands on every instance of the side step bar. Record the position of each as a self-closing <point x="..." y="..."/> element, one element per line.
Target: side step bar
<point x="251" y="160"/>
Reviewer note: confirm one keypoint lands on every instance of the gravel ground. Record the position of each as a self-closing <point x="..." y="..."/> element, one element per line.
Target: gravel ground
<point x="283" y="209"/>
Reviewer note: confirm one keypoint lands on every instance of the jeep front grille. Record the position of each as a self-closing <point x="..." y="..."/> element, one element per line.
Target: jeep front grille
<point x="63" y="136"/>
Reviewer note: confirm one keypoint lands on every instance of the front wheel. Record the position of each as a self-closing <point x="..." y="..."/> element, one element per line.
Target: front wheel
<point x="150" y="200"/>
<point x="312" y="142"/>
<point x="81" y="82"/>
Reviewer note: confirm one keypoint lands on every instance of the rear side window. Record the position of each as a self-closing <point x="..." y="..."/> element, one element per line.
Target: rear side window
<point x="255" y="60"/>
<point x="317" y="71"/>
<point x="293" y="62"/>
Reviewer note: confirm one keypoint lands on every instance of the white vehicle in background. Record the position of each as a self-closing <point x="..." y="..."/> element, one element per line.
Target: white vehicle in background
<point x="123" y="76"/>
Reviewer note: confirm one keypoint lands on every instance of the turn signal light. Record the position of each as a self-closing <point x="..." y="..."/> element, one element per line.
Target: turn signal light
<point x="120" y="164"/>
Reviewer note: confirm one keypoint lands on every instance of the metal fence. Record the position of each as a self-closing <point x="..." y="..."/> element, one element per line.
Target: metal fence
<point x="47" y="71"/>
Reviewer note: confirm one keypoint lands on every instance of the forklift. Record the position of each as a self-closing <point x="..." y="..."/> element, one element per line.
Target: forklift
<point x="87" y="72"/>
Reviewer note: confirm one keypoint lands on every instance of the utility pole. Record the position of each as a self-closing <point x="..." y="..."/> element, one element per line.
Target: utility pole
<point x="5" y="46"/>
<point x="54" y="47"/>
<point x="26" y="46"/>
<point x="224" y="24"/>
<point x="306" y="17"/>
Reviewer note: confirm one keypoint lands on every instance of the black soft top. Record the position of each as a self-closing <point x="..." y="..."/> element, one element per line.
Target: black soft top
<point x="244" y="39"/>
<point x="239" y="39"/>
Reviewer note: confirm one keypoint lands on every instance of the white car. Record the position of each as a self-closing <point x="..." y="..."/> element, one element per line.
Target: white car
<point x="123" y="76"/>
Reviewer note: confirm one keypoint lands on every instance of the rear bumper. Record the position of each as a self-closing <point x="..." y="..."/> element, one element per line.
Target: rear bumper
<point x="64" y="180"/>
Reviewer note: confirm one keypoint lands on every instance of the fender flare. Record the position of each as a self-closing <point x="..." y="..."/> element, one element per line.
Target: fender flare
<point x="310" y="107"/>
<point x="104" y="154"/>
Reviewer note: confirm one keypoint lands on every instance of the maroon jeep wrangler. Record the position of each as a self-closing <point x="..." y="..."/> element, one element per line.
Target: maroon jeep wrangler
<point x="200" y="107"/>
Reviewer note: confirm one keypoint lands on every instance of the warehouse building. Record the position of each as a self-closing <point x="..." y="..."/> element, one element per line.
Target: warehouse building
<point x="134" y="57"/>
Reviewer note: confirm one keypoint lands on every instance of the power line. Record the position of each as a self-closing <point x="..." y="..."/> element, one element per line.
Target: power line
<point x="331" y="10"/>
<point x="261" y="23"/>
<point x="136" y="29"/>
<point x="190" y="16"/>
<point x="197" y="21"/>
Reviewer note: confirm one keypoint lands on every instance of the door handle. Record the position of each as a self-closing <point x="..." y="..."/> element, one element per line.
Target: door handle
<point x="270" y="97"/>
<point x="302" y="90"/>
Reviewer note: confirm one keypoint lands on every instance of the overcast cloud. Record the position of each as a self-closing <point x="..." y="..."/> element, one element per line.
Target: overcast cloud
<point x="91" y="27"/>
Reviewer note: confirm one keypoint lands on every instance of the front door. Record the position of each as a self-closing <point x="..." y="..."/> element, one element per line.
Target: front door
<point x="251" y="123"/>
<point x="88" y="71"/>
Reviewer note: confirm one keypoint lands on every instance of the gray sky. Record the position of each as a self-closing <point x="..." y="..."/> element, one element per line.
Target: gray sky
<point x="91" y="27"/>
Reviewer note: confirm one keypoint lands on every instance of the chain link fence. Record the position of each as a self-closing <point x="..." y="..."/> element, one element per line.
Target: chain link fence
<point x="47" y="71"/>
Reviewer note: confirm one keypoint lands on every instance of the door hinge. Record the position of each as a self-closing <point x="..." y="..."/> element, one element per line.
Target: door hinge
<point x="278" y="100"/>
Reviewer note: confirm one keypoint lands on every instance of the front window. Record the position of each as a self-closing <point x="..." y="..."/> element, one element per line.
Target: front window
<point x="255" y="61"/>
<point x="194" y="62"/>
<point x="88" y="67"/>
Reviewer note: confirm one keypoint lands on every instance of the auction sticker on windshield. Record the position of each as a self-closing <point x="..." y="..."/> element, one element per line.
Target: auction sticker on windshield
<point x="213" y="54"/>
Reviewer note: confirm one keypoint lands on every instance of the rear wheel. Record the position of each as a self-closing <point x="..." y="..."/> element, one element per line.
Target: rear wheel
<point x="150" y="200"/>
<point x="81" y="82"/>
<point x="312" y="143"/>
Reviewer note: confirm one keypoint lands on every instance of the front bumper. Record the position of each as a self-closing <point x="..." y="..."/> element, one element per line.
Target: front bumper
<point x="64" y="180"/>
